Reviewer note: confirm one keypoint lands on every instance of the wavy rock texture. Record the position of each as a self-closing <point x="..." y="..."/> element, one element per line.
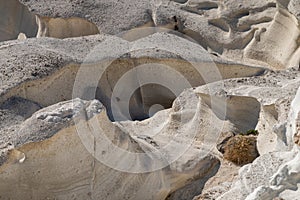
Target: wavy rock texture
<point x="75" y="172"/>
<point x="277" y="124"/>
<point x="240" y="31"/>
<point x="229" y="68"/>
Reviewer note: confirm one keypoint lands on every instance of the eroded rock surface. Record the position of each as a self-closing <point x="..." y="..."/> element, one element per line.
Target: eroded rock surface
<point x="249" y="32"/>
<point x="36" y="148"/>
<point x="16" y="19"/>
<point x="145" y="99"/>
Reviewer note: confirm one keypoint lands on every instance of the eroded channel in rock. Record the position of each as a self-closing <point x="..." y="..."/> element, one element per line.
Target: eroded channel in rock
<point x="17" y="19"/>
<point x="64" y="27"/>
<point x="143" y="101"/>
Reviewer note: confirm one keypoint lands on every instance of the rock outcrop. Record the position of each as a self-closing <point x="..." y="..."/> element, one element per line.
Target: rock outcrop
<point x="16" y="19"/>
<point x="141" y="99"/>
<point x="49" y="138"/>
<point x="247" y="32"/>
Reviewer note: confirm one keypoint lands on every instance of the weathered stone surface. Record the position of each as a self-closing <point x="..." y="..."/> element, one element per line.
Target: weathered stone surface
<point x="51" y="139"/>
<point x="110" y="16"/>
<point x="247" y="32"/>
<point x="113" y="99"/>
<point x="59" y="60"/>
<point x="15" y="19"/>
<point x="257" y="174"/>
<point x="275" y="92"/>
<point x="293" y="7"/>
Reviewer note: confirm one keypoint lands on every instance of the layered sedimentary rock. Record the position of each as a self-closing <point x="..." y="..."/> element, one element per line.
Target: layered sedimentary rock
<point x="274" y="173"/>
<point x="49" y="80"/>
<point x="149" y="99"/>
<point x="60" y="60"/>
<point x="250" y="32"/>
<point x="49" y="138"/>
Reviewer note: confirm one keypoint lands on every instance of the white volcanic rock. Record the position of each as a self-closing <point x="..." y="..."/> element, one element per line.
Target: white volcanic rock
<point x="50" y="68"/>
<point x="277" y="45"/>
<point x="275" y="92"/>
<point x="12" y="113"/>
<point x="293" y="7"/>
<point x="285" y="179"/>
<point x="284" y="183"/>
<point x="59" y="116"/>
<point x="240" y="31"/>
<point x="192" y="72"/>
<point x="110" y="16"/>
<point x="55" y="123"/>
<point x="257" y="174"/>
<point x="51" y="139"/>
<point x="246" y="31"/>
<point x="275" y="173"/>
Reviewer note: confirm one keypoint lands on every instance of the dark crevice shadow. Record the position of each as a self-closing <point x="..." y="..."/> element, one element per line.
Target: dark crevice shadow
<point x="189" y="191"/>
<point x="144" y="102"/>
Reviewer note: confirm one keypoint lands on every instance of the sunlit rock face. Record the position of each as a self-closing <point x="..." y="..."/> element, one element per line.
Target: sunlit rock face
<point x="160" y="99"/>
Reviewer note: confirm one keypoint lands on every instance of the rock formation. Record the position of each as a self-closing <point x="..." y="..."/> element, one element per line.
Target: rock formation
<point x="141" y="99"/>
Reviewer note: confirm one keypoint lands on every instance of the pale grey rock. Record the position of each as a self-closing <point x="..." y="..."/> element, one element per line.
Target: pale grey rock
<point x="292" y="132"/>
<point x="227" y="28"/>
<point x="277" y="125"/>
<point x="257" y="174"/>
<point x="294" y="7"/>
<point x="53" y="64"/>
<point x="238" y="31"/>
<point x="284" y="182"/>
<point x="49" y="137"/>
<point x="42" y="153"/>
<point x="285" y="179"/>
<point x="275" y="92"/>
<point x="12" y="114"/>
<point x="54" y="118"/>
<point x="110" y="16"/>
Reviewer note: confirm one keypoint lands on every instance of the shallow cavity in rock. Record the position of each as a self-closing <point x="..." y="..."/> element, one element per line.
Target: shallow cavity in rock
<point x="15" y="18"/>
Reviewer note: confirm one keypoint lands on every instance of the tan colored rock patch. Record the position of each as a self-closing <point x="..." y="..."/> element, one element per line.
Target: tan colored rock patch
<point x="65" y="28"/>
